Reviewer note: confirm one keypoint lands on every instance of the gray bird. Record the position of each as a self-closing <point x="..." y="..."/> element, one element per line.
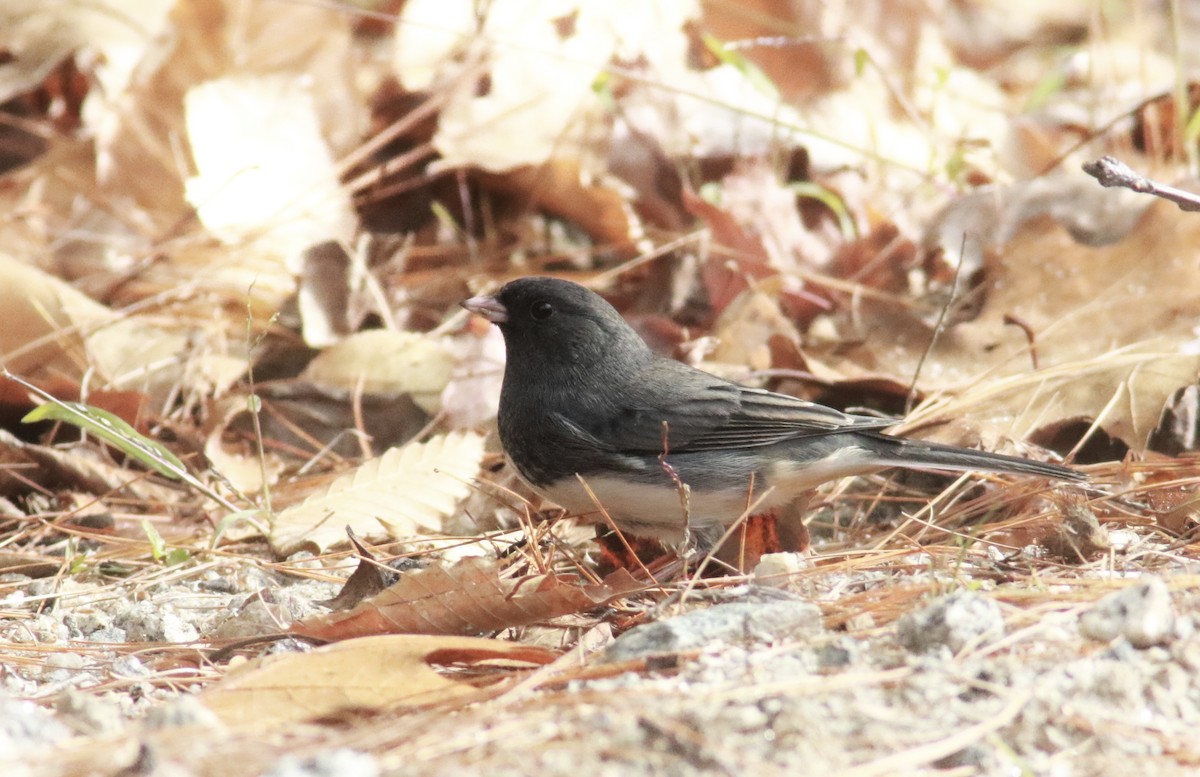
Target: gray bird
<point x="585" y="398"/>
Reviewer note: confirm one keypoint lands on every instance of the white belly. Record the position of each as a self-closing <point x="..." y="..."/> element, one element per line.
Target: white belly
<point x="659" y="511"/>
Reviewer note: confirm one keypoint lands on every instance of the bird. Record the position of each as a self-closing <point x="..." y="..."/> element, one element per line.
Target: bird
<point x="596" y="422"/>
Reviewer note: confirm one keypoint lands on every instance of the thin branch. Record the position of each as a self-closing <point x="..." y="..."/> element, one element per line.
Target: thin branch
<point x="1110" y="171"/>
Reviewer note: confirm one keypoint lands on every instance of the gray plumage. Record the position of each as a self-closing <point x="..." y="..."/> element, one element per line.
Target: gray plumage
<point x="584" y="396"/>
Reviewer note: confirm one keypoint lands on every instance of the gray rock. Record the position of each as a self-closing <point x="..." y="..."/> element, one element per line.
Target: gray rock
<point x="342" y="762"/>
<point x="24" y="724"/>
<point x="953" y="621"/>
<point x="1141" y="613"/>
<point x="730" y="623"/>
<point x="88" y="714"/>
<point x="182" y="711"/>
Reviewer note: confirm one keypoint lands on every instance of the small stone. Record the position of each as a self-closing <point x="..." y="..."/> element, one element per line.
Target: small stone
<point x="255" y="617"/>
<point x="175" y="629"/>
<point x="182" y="711"/>
<point x="66" y="661"/>
<point x="88" y="714"/>
<point x="1122" y="540"/>
<point x="955" y="621"/>
<point x="1141" y="613"/>
<point x="24" y="724"/>
<point x="129" y="667"/>
<point x="778" y="570"/>
<point x="147" y="622"/>
<point x="342" y="762"/>
<point x="730" y="623"/>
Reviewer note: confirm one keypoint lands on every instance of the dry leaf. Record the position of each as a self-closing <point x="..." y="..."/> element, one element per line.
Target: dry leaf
<point x="473" y="393"/>
<point x="540" y="98"/>
<point x="740" y="260"/>
<point x="373" y="673"/>
<point x="246" y="133"/>
<point x="243" y="469"/>
<point x="404" y="492"/>
<point x="1102" y="346"/>
<point x="79" y="467"/>
<point x="383" y="362"/>
<point x="560" y="188"/>
<point x="299" y="416"/>
<point x="745" y="328"/>
<point x="326" y="284"/>
<point x="466" y="598"/>
<point x="52" y="330"/>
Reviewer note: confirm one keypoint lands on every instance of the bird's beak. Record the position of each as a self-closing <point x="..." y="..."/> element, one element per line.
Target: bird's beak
<point x="488" y="307"/>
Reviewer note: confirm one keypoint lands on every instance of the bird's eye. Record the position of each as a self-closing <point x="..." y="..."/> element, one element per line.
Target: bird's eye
<point x="541" y="310"/>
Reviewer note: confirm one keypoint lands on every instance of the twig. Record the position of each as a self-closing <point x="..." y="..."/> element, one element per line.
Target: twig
<point x="1110" y="171"/>
<point x="1011" y="320"/>
<point x="938" y="328"/>
<point x="685" y="492"/>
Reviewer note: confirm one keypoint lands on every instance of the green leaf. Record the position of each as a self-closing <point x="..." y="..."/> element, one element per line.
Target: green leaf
<point x="750" y="71"/>
<point x="108" y="427"/>
<point x="829" y="199"/>
<point x="158" y="548"/>
<point x="1050" y="84"/>
<point x="113" y="431"/>
<point x="861" y="59"/>
<point x="116" y="569"/>
<point x="256" y="518"/>
<point x="1191" y="130"/>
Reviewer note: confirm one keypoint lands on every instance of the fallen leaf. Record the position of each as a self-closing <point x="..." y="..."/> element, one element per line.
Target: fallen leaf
<point x="1102" y="348"/>
<point x="298" y="416"/>
<point x="80" y="466"/>
<point x="244" y="467"/>
<point x="472" y="395"/>
<point x="530" y="111"/>
<point x="406" y="491"/>
<point x="383" y="362"/>
<point x="745" y="328"/>
<point x="372" y="673"/>
<point x="246" y="133"/>
<point x="466" y="598"/>
<point x="741" y="260"/>
<point x="562" y="189"/>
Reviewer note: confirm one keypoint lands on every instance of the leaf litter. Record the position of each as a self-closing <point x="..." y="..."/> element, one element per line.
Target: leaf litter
<point x="236" y="234"/>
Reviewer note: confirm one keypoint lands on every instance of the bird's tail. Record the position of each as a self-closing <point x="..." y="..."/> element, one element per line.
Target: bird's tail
<point x="918" y="454"/>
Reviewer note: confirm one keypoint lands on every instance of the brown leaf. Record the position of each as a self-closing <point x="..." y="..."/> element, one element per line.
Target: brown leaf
<point x="369" y="577"/>
<point x="373" y="673"/>
<point x="1079" y="538"/>
<point x="1084" y="311"/>
<point x="466" y="598"/>
<point x="557" y="186"/>
<point x="744" y="257"/>
<point x="746" y="328"/>
<point x="81" y="467"/>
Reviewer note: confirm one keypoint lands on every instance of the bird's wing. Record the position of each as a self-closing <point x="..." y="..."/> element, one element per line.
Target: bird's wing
<point x="765" y="418"/>
<point x="702" y="412"/>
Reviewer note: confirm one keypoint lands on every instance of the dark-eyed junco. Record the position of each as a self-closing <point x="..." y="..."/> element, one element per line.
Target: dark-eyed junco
<point x="585" y="399"/>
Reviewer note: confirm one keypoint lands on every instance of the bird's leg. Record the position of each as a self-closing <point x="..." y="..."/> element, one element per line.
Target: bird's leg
<point x="779" y="530"/>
